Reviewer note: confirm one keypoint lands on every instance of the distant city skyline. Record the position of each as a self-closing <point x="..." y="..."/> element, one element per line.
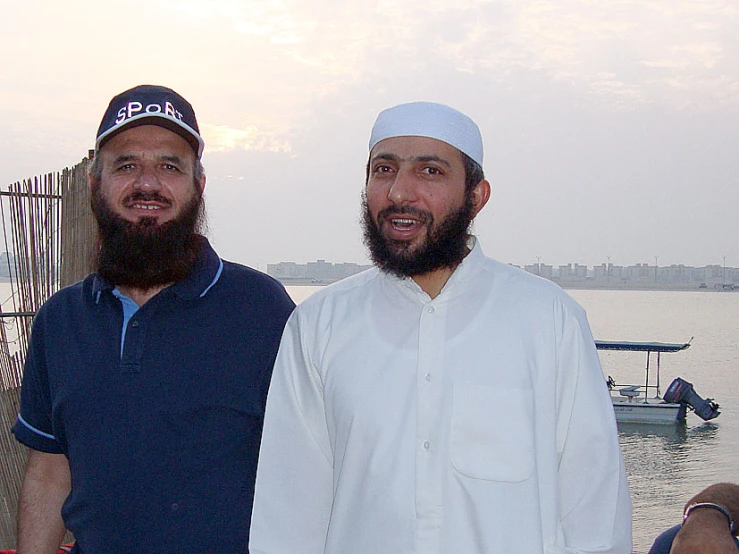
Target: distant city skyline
<point x="536" y="260"/>
<point x="709" y="276"/>
<point x="328" y="261"/>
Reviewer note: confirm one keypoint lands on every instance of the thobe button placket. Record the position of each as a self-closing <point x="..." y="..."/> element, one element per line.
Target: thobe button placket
<point x="429" y="445"/>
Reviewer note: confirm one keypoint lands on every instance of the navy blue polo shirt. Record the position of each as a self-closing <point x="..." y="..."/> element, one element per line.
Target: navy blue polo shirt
<point x="160" y="419"/>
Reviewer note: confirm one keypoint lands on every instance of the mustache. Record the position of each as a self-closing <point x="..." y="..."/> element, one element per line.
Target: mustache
<point x="423" y="216"/>
<point x="140" y="196"/>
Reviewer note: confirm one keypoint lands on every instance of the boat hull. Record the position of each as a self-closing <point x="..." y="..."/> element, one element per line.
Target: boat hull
<point x="650" y="410"/>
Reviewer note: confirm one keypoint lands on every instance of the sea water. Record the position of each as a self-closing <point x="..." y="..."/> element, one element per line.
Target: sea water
<point x="667" y="464"/>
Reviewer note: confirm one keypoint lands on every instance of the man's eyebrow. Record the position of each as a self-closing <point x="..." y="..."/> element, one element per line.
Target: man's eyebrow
<point x="174" y="160"/>
<point x="386" y="156"/>
<point x="422" y="158"/>
<point x="124" y="158"/>
<point x="430" y="158"/>
<point x="167" y="159"/>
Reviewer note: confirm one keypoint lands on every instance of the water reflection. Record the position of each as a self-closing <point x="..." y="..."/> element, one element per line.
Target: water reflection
<point x="661" y="463"/>
<point x="671" y="433"/>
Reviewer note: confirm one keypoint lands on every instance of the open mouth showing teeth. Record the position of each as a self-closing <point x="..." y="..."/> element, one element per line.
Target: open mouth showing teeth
<point x="403" y="224"/>
<point x="146" y="207"/>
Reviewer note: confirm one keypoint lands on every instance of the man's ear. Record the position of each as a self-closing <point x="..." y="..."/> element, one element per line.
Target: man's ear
<point x="480" y="195"/>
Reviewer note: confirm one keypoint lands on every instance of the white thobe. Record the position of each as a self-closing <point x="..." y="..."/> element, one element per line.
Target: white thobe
<point x="475" y="422"/>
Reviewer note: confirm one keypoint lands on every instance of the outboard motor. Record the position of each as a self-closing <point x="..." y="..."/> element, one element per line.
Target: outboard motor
<point x="681" y="392"/>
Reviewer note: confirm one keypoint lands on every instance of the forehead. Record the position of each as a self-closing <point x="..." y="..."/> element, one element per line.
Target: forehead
<point x="148" y="140"/>
<point x="408" y="148"/>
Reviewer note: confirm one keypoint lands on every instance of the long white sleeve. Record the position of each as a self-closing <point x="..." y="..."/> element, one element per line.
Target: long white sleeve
<point x="293" y="495"/>
<point x="595" y="512"/>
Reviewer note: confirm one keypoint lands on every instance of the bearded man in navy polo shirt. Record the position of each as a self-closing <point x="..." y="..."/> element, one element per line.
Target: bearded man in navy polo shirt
<point x="145" y="383"/>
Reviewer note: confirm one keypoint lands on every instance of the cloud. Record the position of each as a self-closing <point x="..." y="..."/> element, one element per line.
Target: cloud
<point x="221" y="138"/>
<point x="670" y="53"/>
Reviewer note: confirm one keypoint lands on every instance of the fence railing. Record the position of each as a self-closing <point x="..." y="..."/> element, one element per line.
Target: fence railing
<point x="49" y="237"/>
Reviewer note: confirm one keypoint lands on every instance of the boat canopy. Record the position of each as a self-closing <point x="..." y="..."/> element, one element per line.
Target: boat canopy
<point x="641" y="346"/>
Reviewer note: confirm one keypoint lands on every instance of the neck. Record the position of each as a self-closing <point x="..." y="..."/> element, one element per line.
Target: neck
<point x="433" y="282"/>
<point x="141" y="296"/>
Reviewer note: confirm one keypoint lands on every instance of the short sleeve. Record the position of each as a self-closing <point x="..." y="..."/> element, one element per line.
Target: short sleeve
<point x="34" y="426"/>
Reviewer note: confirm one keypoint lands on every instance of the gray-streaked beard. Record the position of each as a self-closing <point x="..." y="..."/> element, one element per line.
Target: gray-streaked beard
<point x="444" y="247"/>
<point x="144" y="254"/>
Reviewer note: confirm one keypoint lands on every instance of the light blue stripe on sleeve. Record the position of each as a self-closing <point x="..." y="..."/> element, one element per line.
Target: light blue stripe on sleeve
<point x="32" y="428"/>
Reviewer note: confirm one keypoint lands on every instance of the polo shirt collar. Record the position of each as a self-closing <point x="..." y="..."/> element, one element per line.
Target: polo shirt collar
<point x="205" y="274"/>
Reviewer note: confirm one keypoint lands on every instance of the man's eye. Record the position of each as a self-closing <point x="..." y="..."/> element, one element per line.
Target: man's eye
<point x="432" y="170"/>
<point x="382" y="169"/>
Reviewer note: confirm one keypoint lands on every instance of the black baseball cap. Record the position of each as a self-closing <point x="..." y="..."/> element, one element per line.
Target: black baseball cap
<point x="150" y="105"/>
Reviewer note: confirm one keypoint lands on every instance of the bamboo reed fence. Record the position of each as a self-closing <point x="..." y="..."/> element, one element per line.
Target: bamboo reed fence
<point x="49" y="236"/>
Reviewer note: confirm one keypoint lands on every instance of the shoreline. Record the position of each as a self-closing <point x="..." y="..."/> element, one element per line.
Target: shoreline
<point x="575" y="285"/>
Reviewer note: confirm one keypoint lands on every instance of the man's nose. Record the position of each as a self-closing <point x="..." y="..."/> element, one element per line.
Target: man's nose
<point x="147" y="180"/>
<point x="404" y="188"/>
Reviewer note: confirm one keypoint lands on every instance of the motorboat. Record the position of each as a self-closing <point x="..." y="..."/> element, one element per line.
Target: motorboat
<point x="643" y="403"/>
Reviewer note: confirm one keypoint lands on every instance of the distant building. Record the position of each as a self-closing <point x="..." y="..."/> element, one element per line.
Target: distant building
<point x="675" y="276"/>
<point x="319" y="272"/>
<point x="286" y="270"/>
<point x="572" y="272"/>
<point x="640" y="273"/>
<point x="543" y="270"/>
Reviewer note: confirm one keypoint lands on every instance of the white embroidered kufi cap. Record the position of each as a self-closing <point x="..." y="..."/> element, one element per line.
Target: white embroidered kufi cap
<point x="428" y="119"/>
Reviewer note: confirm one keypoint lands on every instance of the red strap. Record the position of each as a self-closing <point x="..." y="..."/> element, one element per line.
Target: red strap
<point x="64" y="549"/>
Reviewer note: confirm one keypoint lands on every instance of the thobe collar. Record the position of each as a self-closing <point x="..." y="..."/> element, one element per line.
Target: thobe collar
<point x="461" y="273"/>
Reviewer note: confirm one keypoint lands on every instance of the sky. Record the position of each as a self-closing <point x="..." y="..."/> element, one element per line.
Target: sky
<point x="611" y="128"/>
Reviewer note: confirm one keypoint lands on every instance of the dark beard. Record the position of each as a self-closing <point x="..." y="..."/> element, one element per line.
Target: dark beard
<point x="444" y="247"/>
<point x="145" y="255"/>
